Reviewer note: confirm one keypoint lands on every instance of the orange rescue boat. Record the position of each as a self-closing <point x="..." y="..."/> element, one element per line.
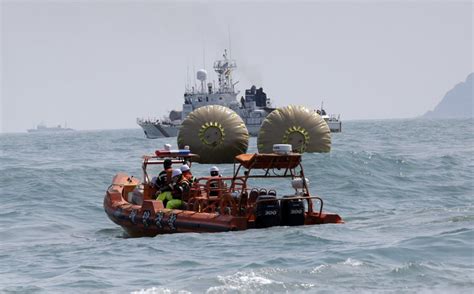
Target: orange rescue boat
<point x="217" y="204"/>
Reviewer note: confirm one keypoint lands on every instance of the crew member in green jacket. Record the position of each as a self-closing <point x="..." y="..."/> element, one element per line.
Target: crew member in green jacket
<point x="179" y="187"/>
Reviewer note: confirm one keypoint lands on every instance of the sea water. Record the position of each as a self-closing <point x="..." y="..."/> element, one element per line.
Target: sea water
<point x="403" y="187"/>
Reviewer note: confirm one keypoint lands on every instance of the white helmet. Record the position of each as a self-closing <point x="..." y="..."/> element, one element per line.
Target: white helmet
<point x="214" y="169"/>
<point x="176" y="172"/>
<point x="184" y="168"/>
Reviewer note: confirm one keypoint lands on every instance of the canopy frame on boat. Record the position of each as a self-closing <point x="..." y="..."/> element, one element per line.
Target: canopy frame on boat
<point x="263" y="165"/>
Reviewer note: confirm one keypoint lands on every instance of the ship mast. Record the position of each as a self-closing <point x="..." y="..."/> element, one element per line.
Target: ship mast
<point x="224" y="68"/>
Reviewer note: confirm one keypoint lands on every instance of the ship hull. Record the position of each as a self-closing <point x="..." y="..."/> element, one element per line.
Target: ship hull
<point x="156" y="130"/>
<point x="253" y="130"/>
<point x="335" y="126"/>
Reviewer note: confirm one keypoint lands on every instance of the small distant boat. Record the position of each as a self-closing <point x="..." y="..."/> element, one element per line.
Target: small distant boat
<point x="42" y="128"/>
<point x="333" y="120"/>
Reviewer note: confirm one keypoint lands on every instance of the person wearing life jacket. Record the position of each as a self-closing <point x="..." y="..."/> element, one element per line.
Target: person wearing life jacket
<point x="163" y="182"/>
<point x="214" y="185"/>
<point x="164" y="177"/>
<point x="179" y="187"/>
<point x="187" y="173"/>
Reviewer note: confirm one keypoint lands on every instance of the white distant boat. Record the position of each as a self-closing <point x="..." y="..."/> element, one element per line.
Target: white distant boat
<point x="42" y="128"/>
<point x="333" y="120"/>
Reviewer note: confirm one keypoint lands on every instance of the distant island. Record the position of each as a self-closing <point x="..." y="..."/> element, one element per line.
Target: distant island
<point x="457" y="103"/>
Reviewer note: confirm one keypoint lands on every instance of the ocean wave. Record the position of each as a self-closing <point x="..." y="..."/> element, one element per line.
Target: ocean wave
<point x="403" y="188"/>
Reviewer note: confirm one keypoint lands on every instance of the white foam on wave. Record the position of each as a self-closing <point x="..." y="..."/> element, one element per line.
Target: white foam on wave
<point x="318" y="269"/>
<point x="409" y="266"/>
<point x="352" y="262"/>
<point x="155" y="290"/>
<point x="242" y="281"/>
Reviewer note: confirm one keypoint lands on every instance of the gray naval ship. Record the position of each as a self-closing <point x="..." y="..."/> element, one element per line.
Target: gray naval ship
<point x="253" y="108"/>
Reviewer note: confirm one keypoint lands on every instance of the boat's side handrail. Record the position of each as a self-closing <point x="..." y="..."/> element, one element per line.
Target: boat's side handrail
<point x="204" y="196"/>
<point x="204" y="184"/>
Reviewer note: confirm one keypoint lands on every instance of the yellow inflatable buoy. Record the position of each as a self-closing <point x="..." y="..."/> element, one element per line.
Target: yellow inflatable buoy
<point x="299" y="126"/>
<point x="214" y="132"/>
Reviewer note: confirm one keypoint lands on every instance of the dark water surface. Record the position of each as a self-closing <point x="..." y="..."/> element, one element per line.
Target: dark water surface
<point x="404" y="188"/>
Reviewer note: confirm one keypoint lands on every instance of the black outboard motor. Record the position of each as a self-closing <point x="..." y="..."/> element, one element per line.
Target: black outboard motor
<point x="292" y="212"/>
<point x="268" y="212"/>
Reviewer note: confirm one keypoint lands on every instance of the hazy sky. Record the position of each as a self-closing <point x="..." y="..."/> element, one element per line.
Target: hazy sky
<point x="102" y="64"/>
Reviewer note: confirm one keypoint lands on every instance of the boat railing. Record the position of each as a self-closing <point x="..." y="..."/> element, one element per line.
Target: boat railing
<point x="334" y="117"/>
<point x="211" y="193"/>
<point x="208" y="194"/>
<point x="211" y="186"/>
